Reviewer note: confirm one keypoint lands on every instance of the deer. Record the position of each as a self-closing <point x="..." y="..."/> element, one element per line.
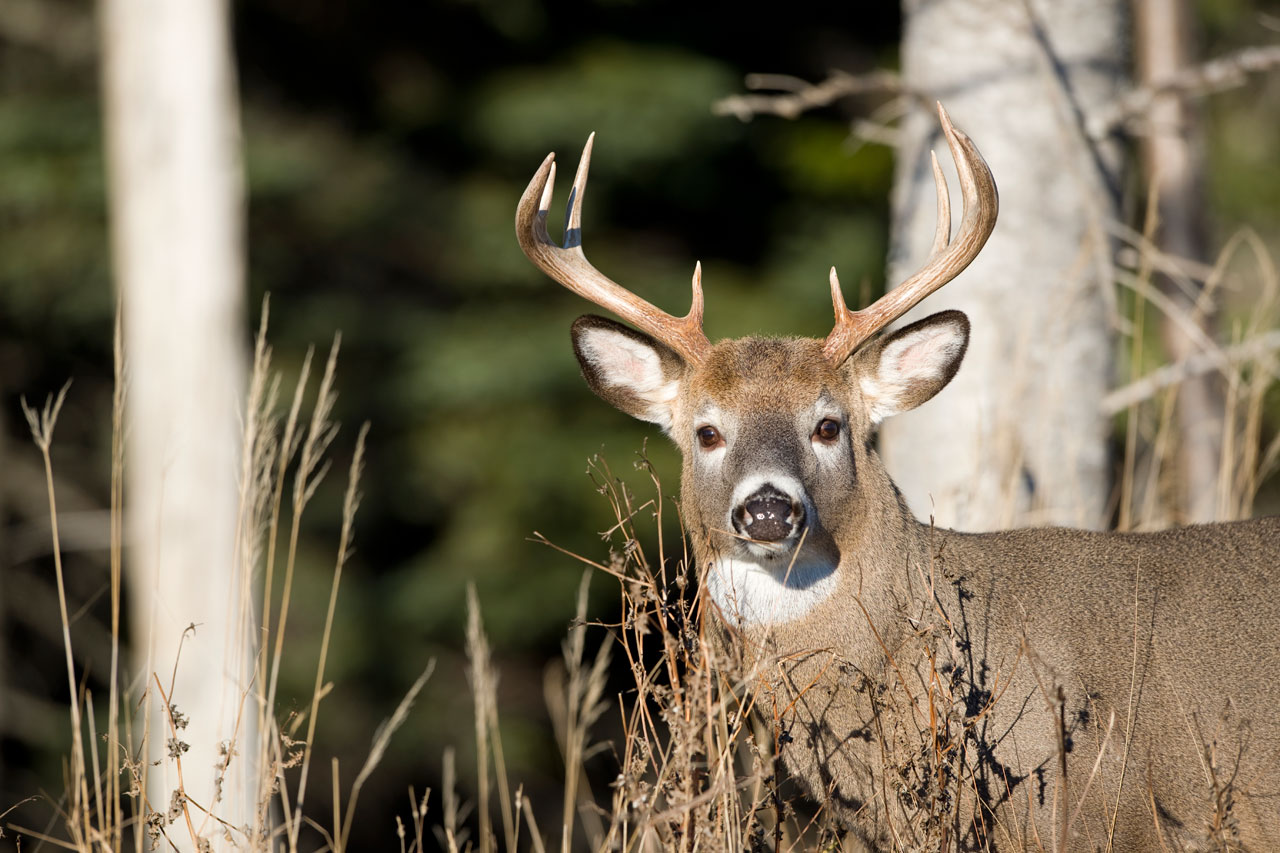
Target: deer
<point x="1078" y="690"/>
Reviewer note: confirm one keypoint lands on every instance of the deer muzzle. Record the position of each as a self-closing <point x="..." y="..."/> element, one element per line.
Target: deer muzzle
<point x="769" y="515"/>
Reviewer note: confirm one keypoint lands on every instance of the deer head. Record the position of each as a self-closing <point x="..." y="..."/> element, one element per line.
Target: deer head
<point x="779" y="473"/>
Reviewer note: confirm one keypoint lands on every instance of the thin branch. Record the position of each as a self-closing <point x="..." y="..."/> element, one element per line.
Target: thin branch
<point x="1195" y="365"/>
<point x="800" y="97"/>
<point x="1216" y="75"/>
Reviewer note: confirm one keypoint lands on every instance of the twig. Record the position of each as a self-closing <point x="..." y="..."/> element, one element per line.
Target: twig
<point x="800" y="97"/>
<point x="1195" y="365"/>
<point x="1216" y="75"/>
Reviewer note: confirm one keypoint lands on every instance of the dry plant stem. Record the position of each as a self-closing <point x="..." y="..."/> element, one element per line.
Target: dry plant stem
<point x="419" y="812"/>
<point x="136" y="754"/>
<point x="42" y="425"/>
<point x="94" y="764"/>
<point x="306" y="465"/>
<point x="1129" y="710"/>
<point x="114" y="828"/>
<point x="258" y="449"/>
<point x="336" y="783"/>
<point x="177" y="758"/>
<point x="583" y="707"/>
<point x="535" y="834"/>
<point x="482" y="687"/>
<point x="320" y="437"/>
<point x="288" y="445"/>
<point x="510" y="812"/>
<point x="381" y="740"/>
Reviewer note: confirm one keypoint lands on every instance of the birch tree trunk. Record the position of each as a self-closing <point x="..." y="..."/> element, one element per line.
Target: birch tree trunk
<point x="1017" y="438"/>
<point x="176" y="226"/>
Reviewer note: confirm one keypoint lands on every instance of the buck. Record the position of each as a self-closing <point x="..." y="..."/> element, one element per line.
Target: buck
<point x="1031" y="689"/>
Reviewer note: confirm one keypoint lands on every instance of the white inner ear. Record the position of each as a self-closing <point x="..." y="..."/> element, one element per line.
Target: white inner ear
<point x="635" y="367"/>
<point x="922" y="356"/>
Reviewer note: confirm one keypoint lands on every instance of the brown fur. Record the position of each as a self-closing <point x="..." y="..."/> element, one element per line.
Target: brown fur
<point x="940" y="689"/>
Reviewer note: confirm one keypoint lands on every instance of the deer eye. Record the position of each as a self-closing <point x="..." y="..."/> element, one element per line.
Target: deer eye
<point x="709" y="437"/>
<point x="828" y="430"/>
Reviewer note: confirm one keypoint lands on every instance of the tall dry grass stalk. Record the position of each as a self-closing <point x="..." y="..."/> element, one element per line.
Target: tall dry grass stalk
<point x="106" y="806"/>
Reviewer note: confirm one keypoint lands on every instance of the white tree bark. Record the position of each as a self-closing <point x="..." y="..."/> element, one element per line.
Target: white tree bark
<point x="176" y="225"/>
<point x="1017" y="438"/>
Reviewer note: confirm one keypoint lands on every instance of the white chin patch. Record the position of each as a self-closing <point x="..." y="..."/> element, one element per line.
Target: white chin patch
<point x="758" y="593"/>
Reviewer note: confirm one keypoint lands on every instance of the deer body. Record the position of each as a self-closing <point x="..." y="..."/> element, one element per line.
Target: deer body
<point x="928" y="684"/>
<point x="1153" y="671"/>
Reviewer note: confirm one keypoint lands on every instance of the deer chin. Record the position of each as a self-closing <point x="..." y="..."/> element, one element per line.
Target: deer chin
<point x="758" y="584"/>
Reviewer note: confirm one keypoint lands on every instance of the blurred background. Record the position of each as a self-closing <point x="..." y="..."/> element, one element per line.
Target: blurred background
<point x="385" y="145"/>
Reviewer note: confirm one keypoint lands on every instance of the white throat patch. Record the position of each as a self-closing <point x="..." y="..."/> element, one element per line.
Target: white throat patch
<point x="755" y="593"/>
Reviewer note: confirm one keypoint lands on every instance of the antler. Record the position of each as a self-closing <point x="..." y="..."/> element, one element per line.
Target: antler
<point x="569" y="266"/>
<point x="947" y="258"/>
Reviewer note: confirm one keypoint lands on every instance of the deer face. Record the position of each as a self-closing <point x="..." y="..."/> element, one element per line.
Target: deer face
<point x="776" y="439"/>
<point x="775" y="433"/>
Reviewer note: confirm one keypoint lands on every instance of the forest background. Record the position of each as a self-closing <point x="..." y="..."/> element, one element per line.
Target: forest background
<point x="385" y="145"/>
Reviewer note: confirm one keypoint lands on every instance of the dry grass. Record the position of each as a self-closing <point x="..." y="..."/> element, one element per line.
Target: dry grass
<point x="107" y="804"/>
<point x="1243" y="283"/>
<point x="698" y="756"/>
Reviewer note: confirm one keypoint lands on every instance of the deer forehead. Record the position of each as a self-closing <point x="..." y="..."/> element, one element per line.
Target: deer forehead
<point x="747" y="377"/>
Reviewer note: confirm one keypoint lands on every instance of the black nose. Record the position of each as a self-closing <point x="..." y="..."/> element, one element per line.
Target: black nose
<point x="768" y="515"/>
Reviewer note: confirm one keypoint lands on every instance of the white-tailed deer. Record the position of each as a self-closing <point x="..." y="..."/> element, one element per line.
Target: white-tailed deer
<point x="1034" y="689"/>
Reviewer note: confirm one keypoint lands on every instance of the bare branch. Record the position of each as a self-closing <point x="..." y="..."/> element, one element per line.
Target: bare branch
<point x="1216" y="75"/>
<point x="1195" y="365"/>
<point x="800" y="97"/>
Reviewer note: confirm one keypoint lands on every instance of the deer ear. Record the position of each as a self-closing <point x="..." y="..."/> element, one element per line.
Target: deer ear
<point x="628" y="370"/>
<point x="908" y="367"/>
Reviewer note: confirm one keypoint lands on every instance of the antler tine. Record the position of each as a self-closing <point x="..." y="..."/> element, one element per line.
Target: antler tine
<point x="568" y="264"/>
<point x="947" y="258"/>
<point x="942" y="231"/>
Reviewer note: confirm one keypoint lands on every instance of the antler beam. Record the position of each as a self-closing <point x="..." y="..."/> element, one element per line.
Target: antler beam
<point x="947" y="258"/>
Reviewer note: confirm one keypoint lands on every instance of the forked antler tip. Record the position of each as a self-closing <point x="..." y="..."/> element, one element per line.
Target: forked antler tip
<point x="568" y="265"/>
